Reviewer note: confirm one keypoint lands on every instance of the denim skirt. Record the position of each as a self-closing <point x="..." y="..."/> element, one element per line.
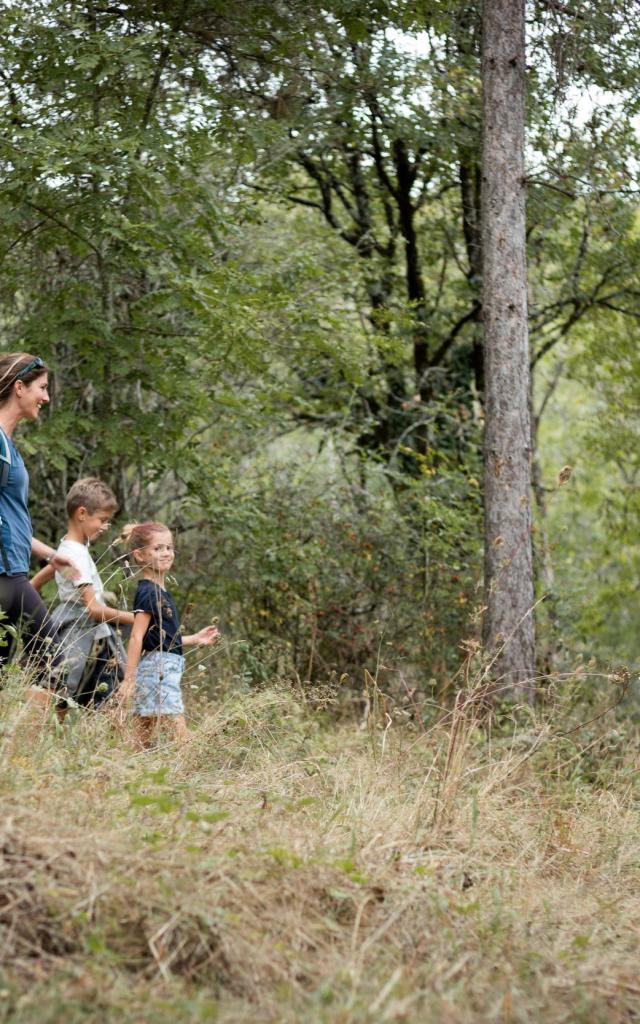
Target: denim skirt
<point x="158" y="685"/>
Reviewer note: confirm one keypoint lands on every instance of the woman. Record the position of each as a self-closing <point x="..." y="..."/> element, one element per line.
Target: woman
<point x="24" y="383"/>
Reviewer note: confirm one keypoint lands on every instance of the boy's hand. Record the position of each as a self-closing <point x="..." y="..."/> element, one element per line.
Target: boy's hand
<point x="207" y="636"/>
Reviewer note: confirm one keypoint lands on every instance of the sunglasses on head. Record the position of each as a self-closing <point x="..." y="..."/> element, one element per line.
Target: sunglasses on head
<point x="35" y="364"/>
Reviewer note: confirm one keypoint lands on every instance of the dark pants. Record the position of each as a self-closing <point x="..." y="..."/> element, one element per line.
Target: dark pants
<point x="24" y="610"/>
<point x="102" y="674"/>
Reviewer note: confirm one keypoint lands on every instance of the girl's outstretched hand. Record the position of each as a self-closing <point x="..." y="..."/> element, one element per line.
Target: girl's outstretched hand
<point x="207" y="636"/>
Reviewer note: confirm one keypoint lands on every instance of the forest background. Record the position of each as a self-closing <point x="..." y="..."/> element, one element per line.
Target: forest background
<point x="247" y="238"/>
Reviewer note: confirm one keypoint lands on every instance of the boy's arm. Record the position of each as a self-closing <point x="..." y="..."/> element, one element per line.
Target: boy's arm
<point x="141" y="624"/>
<point x="43" y="577"/>
<point x="102" y="612"/>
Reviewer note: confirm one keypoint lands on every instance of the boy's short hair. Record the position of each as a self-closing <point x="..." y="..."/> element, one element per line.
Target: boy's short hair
<point x="92" y="494"/>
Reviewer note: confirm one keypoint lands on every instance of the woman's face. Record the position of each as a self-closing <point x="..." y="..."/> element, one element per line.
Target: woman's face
<point x="31" y="397"/>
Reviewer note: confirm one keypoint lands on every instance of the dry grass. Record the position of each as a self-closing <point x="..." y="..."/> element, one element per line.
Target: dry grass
<point x="278" y="869"/>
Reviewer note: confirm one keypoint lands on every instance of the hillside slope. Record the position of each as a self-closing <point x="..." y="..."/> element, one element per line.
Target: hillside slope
<point x="280" y="868"/>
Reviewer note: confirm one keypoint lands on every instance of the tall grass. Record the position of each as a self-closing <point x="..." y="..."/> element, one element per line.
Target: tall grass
<point x="283" y="868"/>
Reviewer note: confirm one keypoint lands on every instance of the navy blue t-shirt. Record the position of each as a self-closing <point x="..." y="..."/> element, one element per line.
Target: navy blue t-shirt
<point x="15" y="521"/>
<point x="163" y="633"/>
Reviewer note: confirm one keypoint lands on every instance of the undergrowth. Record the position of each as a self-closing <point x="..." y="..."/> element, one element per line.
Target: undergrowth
<point x="283" y="868"/>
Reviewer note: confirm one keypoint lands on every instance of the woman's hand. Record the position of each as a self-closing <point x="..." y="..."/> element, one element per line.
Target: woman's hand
<point x="64" y="565"/>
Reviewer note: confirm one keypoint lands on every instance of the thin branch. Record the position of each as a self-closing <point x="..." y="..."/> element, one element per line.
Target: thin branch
<point x="581" y="255"/>
<point x="617" y="309"/>
<point x="23" y="234"/>
<point x="292" y="198"/>
<point x="441" y="352"/>
<point x="578" y="311"/>
<point x="324" y="187"/>
<point x="61" y="223"/>
<point x="378" y="160"/>
<point x="550" y="185"/>
<point x="551" y="387"/>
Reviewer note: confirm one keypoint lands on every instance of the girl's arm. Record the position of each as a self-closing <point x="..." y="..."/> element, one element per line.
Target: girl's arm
<point x="207" y="636"/>
<point x="102" y="612"/>
<point x="42" y="577"/>
<point x="141" y="623"/>
<point x="59" y="562"/>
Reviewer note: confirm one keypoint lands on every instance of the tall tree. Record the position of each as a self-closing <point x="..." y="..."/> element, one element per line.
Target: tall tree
<point x="509" y="625"/>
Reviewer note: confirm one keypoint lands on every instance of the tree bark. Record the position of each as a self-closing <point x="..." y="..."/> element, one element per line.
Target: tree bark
<point x="509" y="594"/>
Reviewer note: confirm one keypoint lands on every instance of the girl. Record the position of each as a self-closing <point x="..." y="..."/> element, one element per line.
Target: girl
<point x="154" y="661"/>
<point x="24" y="383"/>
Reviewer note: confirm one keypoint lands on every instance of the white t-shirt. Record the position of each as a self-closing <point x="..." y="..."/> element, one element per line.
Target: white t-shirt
<point x="69" y="590"/>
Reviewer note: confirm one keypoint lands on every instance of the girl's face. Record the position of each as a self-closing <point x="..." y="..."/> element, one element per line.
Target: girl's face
<point x="158" y="553"/>
<point x="31" y="397"/>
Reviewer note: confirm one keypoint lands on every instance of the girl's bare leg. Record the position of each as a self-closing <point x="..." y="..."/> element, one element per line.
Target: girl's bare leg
<point x="179" y="727"/>
<point x="143" y="726"/>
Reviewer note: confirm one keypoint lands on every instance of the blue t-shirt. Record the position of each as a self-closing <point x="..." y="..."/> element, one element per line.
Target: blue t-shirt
<point x="15" y="522"/>
<point x="163" y="633"/>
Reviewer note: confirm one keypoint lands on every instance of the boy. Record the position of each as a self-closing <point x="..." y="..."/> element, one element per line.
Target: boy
<point x="92" y="652"/>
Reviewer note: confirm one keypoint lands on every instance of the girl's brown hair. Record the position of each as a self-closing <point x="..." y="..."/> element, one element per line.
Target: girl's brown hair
<point x="139" y="535"/>
<point x="12" y="367"/>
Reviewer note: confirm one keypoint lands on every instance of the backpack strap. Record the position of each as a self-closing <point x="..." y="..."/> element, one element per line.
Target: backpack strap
<point x="5" y="468"/>
<point x="5" y="458"/>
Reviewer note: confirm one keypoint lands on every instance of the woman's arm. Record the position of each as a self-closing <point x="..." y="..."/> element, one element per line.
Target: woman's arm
<point x="41" y="550"/>
<point x="59" y="562"/>
<point x="141" y="623"/>
<point x="102" y="612"/>
<point x="42" y="577"/>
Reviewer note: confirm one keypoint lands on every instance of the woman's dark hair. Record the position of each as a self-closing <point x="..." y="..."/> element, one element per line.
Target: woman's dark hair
<point x="18" y="366"/>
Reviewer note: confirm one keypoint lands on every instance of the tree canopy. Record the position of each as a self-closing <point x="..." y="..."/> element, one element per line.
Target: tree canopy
<point x="248" y="240"/>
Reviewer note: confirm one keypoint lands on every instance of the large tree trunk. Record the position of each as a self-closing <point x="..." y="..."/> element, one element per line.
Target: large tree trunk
<point x="509" y="623"/>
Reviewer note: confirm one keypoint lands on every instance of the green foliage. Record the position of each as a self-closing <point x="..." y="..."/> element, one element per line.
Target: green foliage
<point x="592" y="522"/>
<point x="128" y="258"/>
<point x="330" y="569"/>
<point x="244" y="235"/>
